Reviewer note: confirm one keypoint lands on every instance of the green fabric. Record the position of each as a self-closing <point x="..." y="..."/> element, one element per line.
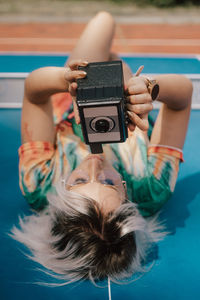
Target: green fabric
<point x="77" y="129"/>
<point x="148" y="192"/>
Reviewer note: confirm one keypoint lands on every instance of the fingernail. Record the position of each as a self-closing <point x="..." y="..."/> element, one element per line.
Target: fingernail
<point x="84" y="63"/>
<point x="82" y="74"/>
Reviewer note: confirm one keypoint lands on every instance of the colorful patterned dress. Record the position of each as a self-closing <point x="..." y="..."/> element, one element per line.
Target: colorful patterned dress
<point x="150" y="172"/>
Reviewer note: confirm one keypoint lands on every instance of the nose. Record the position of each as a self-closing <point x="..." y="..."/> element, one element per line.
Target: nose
<point x="94" y="168"/>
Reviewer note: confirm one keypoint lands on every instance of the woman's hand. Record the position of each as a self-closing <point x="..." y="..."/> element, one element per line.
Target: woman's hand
<point x="71" y="75"/>
<point x="139" y="103"/>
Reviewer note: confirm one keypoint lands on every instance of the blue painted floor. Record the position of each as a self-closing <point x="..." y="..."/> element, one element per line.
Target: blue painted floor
<point x="176" y="273"/>
<point x="153" y="64"/>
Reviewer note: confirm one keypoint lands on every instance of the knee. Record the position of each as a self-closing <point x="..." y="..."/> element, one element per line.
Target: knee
<point x="105" y="17"/>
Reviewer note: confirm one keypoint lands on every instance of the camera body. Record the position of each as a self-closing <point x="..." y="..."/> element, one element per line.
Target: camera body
<point x="102" y="104"/>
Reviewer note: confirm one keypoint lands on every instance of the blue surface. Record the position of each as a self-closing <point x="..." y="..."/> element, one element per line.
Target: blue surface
<point x="176" y="272"/>
<point x="27" y="63"/>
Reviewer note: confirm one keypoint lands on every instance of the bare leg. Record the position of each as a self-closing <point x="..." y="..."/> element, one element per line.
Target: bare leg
<point x="96" y="40"/>
<point x="126" y="69"/>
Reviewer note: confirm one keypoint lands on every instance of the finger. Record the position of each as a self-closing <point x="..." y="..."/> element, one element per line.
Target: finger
<point x="140" y="99"/>
<point x="71" y="76"/>
<point x="131" y="127"/>
<point x="137" y="85"/>
<point x="72" y="88"/>
<point x="138" y="121"/>
<point x="74" y="64"/>
<point x="140" y="108"/>
<point x="145" y="120"/>
<point x="76" y="112"/>
<point x="139" y="71"/>
<point x="136" y="89"/>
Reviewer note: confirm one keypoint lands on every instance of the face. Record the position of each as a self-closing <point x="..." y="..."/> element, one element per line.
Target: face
<point x="97" y="179"/>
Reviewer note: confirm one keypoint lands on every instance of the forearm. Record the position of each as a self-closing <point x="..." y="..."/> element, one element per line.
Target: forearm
<point x="175" y="90"/>
<point x="44" y="82"/>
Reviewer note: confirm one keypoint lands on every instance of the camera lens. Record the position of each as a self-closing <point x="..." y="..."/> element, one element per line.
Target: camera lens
<point x="102" y="124"/>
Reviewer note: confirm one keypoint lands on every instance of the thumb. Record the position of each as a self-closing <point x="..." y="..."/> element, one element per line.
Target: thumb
<point x="145" y="120"/>
<point x="139" y="71"/>
<point x="73" y="88"/>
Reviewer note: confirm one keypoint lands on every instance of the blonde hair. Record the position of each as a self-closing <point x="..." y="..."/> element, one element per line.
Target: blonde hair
<point x="73" y="240"/>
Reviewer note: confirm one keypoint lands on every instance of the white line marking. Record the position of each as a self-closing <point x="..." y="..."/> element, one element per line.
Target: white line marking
<point x="24" y="75"/>
<point x="190" y="76"/>
<point x="195" y="106"/>
<point x="41" y="41"/>
<point x="13" y="75"/>
<point x="121" y="54"/>
<point x="10" y="105"/>
<point x="159" y="42"/>
<point x="33" y="53"/>
<point x="129" y="42"/>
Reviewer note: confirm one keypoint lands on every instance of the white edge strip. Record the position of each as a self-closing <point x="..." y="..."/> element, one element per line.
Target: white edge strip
<point x="13" y="75"/>
<point x="10" y="105"/>
<point x="190" y="76"/>
<point x="19" y="105"/>
<point x="24" y="75"/>
<point x="195" y="106"/>
<point x="124" y="54"/>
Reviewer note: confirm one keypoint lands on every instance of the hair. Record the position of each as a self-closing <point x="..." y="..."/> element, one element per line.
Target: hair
<point x="74" y="240"/>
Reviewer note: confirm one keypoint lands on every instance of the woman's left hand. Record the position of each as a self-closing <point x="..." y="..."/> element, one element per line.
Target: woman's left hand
<point x="139" y="103"/>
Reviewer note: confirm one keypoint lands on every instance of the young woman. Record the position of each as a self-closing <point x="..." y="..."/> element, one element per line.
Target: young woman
<point x="90" y="218"/>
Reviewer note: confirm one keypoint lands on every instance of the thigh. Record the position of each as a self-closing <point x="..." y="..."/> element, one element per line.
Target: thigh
<point x="96" y="39"/>
<point x="171" y="127"/>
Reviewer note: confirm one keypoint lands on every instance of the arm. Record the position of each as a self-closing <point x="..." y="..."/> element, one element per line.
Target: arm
<point x="44" y="82"/>
<point x="37" y="117"/>
<point x="171" y="124"/>
<point x="169" y="131"/>
<point x="175" y="90"/>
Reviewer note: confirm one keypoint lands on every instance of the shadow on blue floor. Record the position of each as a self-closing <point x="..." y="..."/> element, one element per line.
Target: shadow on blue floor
<point x="187" y="190"/>
<point x="176" y="271"/>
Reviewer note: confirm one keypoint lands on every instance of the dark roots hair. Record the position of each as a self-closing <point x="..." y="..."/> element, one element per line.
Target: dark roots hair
<point x="74" y="240"/>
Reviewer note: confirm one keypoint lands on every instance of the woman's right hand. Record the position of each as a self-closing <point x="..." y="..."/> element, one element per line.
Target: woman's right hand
<point x="71" y="75"/>
<point x="139" y="103"/>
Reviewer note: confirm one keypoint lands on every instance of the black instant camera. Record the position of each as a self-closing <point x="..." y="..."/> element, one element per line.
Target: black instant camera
<point x="101" y="103"/>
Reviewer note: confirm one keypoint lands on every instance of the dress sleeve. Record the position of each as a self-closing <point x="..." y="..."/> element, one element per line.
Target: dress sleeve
<point x="36" y="172"/>
<point x="161" y="175"/>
